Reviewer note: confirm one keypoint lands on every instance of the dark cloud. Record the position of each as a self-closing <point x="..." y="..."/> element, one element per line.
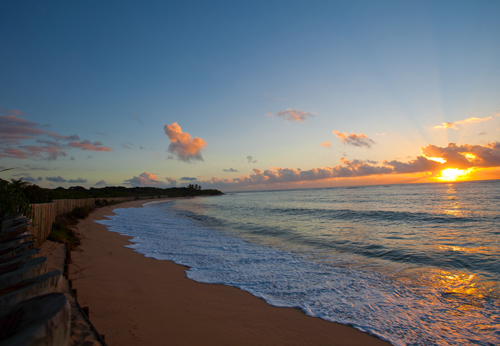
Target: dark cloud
<point x="293" y="115"/>
<point x="145" y="179"/>
<point x="134" y="116"/>
<point x="29" y="179"/>
<point x="15" y="132"/>
<point x="38" y="168"/>
<point x="11" y="112"/>
<point x="57" y="179"/>
<point x="451" y="156"/>
<point x="230" y="170"/>
<point x="420" y="164"/>
<point x="87" y="145"/>
<point x="188" y="179"/>
<point x="250" y="159"/>
<point x="356" y="140"/>
<point x="171" y="181"/>
<point x="77" y="181"/>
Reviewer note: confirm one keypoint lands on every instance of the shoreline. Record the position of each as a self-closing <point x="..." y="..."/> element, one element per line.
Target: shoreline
<point x="135" y="300"/>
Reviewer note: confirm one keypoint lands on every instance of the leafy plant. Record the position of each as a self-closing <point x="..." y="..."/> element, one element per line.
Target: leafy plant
<point x="13" y="201"/>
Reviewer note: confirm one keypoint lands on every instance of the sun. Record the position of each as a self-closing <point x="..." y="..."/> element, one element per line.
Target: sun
<point x="453" y="174"/>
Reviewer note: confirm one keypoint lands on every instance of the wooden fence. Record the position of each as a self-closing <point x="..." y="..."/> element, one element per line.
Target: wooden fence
<point x="46" y="213"/>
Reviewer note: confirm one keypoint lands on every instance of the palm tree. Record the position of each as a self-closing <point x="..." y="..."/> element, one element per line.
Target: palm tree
<point x="13" y="201"/>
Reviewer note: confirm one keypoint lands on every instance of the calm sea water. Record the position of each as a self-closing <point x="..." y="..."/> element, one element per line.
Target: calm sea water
<point x="412" y="264"/>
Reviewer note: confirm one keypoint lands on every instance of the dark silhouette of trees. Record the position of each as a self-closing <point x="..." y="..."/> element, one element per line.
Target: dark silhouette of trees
<point x="13" y="201"/>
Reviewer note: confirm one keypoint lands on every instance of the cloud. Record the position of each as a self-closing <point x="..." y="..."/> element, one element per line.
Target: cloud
<point x="102" y="133"/>
<point x="29" y="179"/>
<point x="447" y="126"/>
<point x="183" y="145"/>
<point x="60" y="179"/>
<point x="57" y="179"/>
<point x="293" y="115"/>
<point x="11" y="112"/>
<point x="38" y="168"/>
<point x="466" y="156"/>
<point x="354" y="139"/>
<point x="128" y="145"/>
<point x="230" y="170"/>
<point x="100" y="183"/>
<point x="145" y="179"/>
<point x="418" y="165"/>
<point x="21" y="139"/>
<point x="456" y="124"/>
<point x="290" y="175"/>
<point x="250" y="159"/>
<point x="69" y="138"/>
<point x="188" y="179"/>
<point x="271" y="99"/>
<point x="453" y="156"/>
<point x="326" y="144"/>
<point x="14" y="129"/>
<point x="357" y="168"/>
<point x="87" y="145"/>
<point x="171" y="181"/>
<point x="77" y="181"/>
<point x="45" y="152"/>
<point x="134" y="116"/>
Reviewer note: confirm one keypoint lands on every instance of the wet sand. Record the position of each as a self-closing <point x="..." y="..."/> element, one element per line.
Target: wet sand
<point x="135" y="300"/>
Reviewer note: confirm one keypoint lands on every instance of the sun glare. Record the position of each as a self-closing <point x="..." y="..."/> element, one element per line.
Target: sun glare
<point x="469" y="156"/>
<point x="453" y="174"/>
<point x="437" y="159"/>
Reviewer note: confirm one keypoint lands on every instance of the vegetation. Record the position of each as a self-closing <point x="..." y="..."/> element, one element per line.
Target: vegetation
<point x="37" y="194"/>
<point x="13" y="201"/>
<point x="62" y="229"/>
<point x="16" y="197"/>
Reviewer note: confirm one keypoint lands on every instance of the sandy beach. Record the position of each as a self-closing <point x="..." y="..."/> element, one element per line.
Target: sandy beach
<point x="135" y="300"/>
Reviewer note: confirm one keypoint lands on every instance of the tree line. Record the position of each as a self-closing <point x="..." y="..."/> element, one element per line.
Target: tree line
<point x="36" y="194"/>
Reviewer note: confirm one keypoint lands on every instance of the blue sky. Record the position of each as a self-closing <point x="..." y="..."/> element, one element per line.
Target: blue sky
<point x="115" y="73"/>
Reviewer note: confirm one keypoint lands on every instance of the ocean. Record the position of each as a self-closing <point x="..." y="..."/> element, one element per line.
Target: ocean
<point x="415" y="264"/>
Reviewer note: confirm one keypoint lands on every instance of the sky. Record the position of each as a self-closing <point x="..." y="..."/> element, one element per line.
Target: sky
<point x="249" y="95"/>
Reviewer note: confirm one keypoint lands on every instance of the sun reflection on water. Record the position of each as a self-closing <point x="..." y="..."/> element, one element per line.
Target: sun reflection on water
<point x="463" y="249"/>
<point x="461" y="290"/>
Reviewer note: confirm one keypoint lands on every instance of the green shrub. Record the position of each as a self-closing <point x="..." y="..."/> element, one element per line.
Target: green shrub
<point x="62" y="233"/>
<point x="78" y="213"/>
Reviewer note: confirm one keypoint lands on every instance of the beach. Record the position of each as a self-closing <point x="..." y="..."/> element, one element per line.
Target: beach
<point x="134" y="300"/>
